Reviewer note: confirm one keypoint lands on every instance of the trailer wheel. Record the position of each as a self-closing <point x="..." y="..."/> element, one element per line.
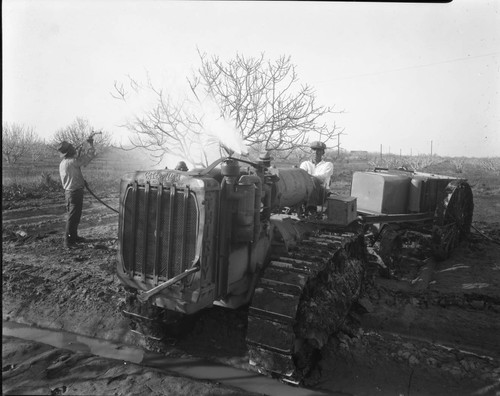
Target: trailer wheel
<point x="453" y="218"/>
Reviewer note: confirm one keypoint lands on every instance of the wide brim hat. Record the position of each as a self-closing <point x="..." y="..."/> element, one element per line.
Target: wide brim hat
<point x="181" y="165"/>
<point x="65" y="147"/>
<point x="317" y="145"/>
<point x="265" y="156"/>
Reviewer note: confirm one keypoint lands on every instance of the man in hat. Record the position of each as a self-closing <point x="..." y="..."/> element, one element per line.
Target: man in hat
<point x="73" y="184"/>
<point x="322" y="172"/>
<point x="317" y="167"/>
<point x="181" y="166"/>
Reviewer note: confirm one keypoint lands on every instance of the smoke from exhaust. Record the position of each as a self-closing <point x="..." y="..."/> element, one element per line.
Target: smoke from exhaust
<point x="222" y="129"/>
<point x="203" y="147"/>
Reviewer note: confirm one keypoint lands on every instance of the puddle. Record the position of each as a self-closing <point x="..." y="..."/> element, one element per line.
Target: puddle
<point x="199" y="369"/>
<point x="477" y="352"/>
<point x="454" y="268"/>
<point x="468" y="286"/>
<point x="74" y="342"/>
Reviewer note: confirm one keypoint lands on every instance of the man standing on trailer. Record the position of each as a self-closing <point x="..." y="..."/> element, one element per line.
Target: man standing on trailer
<point x="73" y="184"/>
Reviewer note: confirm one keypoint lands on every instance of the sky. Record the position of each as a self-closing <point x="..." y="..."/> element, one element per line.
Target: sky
<point x="406" y="78"/>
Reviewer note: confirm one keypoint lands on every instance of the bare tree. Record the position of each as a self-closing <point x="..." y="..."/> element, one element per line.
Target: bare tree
<point x="459" y="164"/>
<point x="415" y="163"/>
<point x="490" y="164"/>
<point x="264" y="98"/>
<point x="17" y="139"/>
<point x="421" y="162"/>
<point x="78" y="132"/>
<point x="39" y="150"/>
<point x="261" y="99"/>
<point x="168" y="127"/>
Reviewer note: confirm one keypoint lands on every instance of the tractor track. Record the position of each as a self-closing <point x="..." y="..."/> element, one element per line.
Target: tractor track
<point x="286" y="321"/>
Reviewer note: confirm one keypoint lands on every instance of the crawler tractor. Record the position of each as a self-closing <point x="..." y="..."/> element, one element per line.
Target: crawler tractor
<point x="238" y="234"/>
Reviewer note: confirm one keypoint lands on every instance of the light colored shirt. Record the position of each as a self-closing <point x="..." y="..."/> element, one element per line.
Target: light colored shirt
<point x="322" y="170"/>
<point x="71" y="172"/>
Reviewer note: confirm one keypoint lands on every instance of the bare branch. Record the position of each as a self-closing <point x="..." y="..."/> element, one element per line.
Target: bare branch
<point x="77" y="133"/>
<point x="17" y="140"/>
<point x="263" y="98"/>
<point x="119" y="92"/>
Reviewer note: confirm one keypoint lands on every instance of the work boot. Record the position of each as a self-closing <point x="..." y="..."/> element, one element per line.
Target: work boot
<point x="80" y="240"/>
<point x="69" y="244"/>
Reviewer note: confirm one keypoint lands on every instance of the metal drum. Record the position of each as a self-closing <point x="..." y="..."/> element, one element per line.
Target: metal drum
<point x="294" y="186"/>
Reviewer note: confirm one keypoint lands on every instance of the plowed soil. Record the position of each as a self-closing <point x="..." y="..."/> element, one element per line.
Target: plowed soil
<point x="434" y="332"/>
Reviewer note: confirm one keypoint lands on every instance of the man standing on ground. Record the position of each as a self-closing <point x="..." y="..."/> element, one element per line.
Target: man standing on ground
<point x="73" y="184"/>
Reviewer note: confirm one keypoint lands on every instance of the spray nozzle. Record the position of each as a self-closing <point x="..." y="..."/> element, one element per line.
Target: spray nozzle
<point x="228" y="150"/>
<point x="90" y="139"/>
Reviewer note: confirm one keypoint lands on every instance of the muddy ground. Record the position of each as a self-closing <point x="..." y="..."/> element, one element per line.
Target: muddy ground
<point x="433" y="331"/>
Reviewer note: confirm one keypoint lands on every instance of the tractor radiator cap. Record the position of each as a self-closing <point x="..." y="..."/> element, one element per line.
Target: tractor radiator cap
<point x="230" y="168"/>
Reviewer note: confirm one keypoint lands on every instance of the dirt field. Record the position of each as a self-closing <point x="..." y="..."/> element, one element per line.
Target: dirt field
<point x="434" y="332"/>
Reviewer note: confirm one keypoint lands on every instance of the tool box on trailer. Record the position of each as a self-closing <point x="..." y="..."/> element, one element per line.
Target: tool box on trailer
<point x="341" y="210"/>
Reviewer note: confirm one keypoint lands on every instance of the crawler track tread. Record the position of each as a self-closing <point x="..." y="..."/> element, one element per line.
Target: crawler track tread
<point x="276" y="336"/>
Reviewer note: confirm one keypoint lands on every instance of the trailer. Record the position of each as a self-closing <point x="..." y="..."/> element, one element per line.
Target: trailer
<point x="390" y="202"/>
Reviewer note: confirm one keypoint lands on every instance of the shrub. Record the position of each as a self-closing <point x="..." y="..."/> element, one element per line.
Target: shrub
<point x="15" y="191"/>
<point x="491" y="164"/>
<point x="47" y="183"/>
<point x="459" y="164"/>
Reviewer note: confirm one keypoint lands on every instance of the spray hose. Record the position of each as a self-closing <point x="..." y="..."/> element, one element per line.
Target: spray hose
<point x="100" y="200"/>
<point x="485" y="236"/>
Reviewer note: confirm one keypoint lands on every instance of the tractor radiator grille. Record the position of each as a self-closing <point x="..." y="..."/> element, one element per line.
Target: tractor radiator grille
<point x="159" y="231"/>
